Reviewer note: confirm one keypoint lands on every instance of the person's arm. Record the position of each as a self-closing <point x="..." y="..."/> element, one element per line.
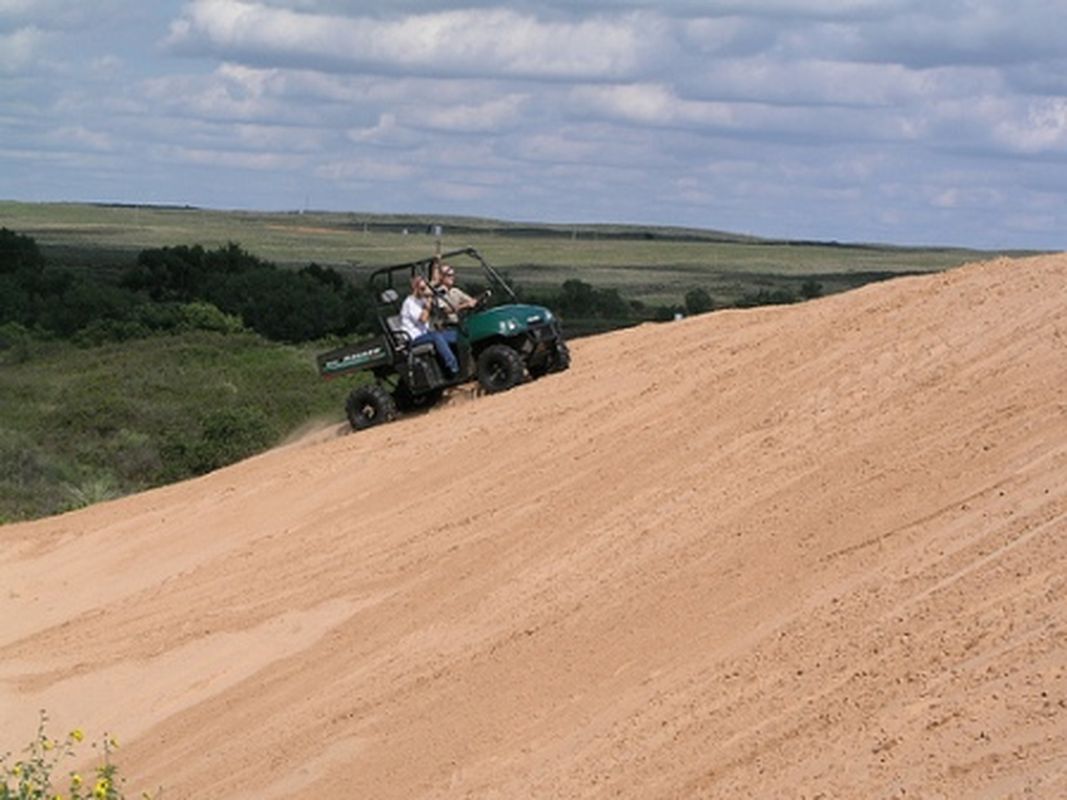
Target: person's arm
<point x="464" y="300"/>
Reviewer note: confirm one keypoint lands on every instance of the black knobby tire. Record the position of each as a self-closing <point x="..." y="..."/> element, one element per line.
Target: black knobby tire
<point x="562" y="358"/>
<point x="406" y="400"/>
<point x="499" y="368"/>
<point x="368" y="406"/>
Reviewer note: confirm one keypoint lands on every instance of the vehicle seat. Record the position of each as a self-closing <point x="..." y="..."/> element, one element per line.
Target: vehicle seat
<point x="401" y="338"/>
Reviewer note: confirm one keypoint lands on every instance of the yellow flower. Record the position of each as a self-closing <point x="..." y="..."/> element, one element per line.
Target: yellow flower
<point x="48" y="744"/>
<point x="58" y="797"/>
<point x="77" y="734"/>
<point x="75" y="781"/>
<point x="17" y="769"/>
<point x="100" y="790"/>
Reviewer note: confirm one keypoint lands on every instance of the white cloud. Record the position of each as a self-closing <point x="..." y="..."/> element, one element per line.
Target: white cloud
<point x="649" y="103"/>
<point x="976" y="32"/>
<point x="496" y="41"/>
<point x="492" y="115"/>
<point x="228" y="159"/>
<point x="815" y="81"/>
<point x="451" y="190"/>
<point x="367" y="170"/>
<point x="83" y="138"/>
<point x="1043" y="128"/>
<point x="64" y="14"/>
<point x="281" y="138"/>
<point x="556" y="147"/>
<point x="230" y="93"/>
<point x="659" y="106"/>
<point x="385" y="130"/>
<point x="20" y="50"/>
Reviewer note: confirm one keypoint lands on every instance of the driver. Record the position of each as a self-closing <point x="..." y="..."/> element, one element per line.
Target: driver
<point x="450" y="298"/>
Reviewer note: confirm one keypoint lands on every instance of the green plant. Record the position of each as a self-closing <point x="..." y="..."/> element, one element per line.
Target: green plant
<point x="95" y="489"/>
<point x="15" y="343"/>
<point x="36" y="776"/>
<point x="698" y="301"/>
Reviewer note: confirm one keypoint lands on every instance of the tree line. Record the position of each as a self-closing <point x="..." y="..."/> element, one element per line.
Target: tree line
<point x="175" y="288"/>
<point x="227" y="289"/>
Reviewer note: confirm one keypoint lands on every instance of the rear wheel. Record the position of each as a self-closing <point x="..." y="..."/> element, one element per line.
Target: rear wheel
<point x="499" y="368"/>
<point x="368" y="406"/>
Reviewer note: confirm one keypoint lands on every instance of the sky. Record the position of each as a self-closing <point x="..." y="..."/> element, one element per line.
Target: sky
<point x="895" y="121"/>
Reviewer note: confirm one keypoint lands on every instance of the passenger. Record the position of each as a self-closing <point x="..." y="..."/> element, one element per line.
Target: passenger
<point x="450" y="298"/>
<point x="415" y="316"/>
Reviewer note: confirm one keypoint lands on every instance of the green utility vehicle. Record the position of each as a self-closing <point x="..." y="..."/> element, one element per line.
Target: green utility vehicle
<point x="499" y="344"/>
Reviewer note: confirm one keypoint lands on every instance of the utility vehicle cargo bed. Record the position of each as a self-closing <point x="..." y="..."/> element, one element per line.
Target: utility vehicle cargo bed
<point x="367" y="354"/>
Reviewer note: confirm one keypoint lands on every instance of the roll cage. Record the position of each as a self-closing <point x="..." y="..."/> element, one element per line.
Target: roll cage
<point x="390" y="285"/>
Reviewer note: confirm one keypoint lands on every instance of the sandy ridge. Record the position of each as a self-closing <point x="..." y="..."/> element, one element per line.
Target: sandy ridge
<point x="784" y="552"/>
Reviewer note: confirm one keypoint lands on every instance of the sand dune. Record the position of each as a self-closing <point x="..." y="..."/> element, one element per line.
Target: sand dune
<point x="810" y="551"/>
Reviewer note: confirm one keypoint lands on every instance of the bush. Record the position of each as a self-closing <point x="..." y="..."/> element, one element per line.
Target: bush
<point x="767" y="297"/>
<point x="811" y="289"/>
<point x="95" y="489"/>
<point x="99" y="331"/>
<point x="31" y="477"/>
<point x="228" y="436"/>
<point x="206" y="317"/>
<point x="15" y="343"/>
<point x="19" y="253"/>
<point x="698" y="301"/>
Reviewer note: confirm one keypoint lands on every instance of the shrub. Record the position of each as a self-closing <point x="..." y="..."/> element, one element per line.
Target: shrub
<point x="15" y="343"/>
<point x="95" y="489"/>
<point x="19" y="253"/>
<point x="697" y="301"/>
<point x="766" y="297"/>
<point x="811" y="289"/>
<point x="228" y="435"/>
<point x="207" y="317"/>
<point x="99" y="331"/>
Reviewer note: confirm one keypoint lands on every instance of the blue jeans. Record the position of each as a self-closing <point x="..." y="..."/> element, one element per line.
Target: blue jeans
<point x="441" y="341"/>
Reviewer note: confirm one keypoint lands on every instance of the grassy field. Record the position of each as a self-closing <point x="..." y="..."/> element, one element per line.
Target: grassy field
<point x="650" y="264"/>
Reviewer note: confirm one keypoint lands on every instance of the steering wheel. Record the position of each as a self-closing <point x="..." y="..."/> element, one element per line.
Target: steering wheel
<point x="480" y="302"/>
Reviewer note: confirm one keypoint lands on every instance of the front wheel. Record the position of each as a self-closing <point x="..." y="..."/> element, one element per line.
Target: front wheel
<point x="562" y="358"/>
<point x="499" y="368"/>
<point x="368" y="406"/>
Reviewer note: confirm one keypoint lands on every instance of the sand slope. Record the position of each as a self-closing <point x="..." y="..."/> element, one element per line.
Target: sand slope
<point x="813" y="551"/>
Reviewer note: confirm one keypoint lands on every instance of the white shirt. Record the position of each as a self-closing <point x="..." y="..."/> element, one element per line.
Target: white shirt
<point x="410" y="314"/>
